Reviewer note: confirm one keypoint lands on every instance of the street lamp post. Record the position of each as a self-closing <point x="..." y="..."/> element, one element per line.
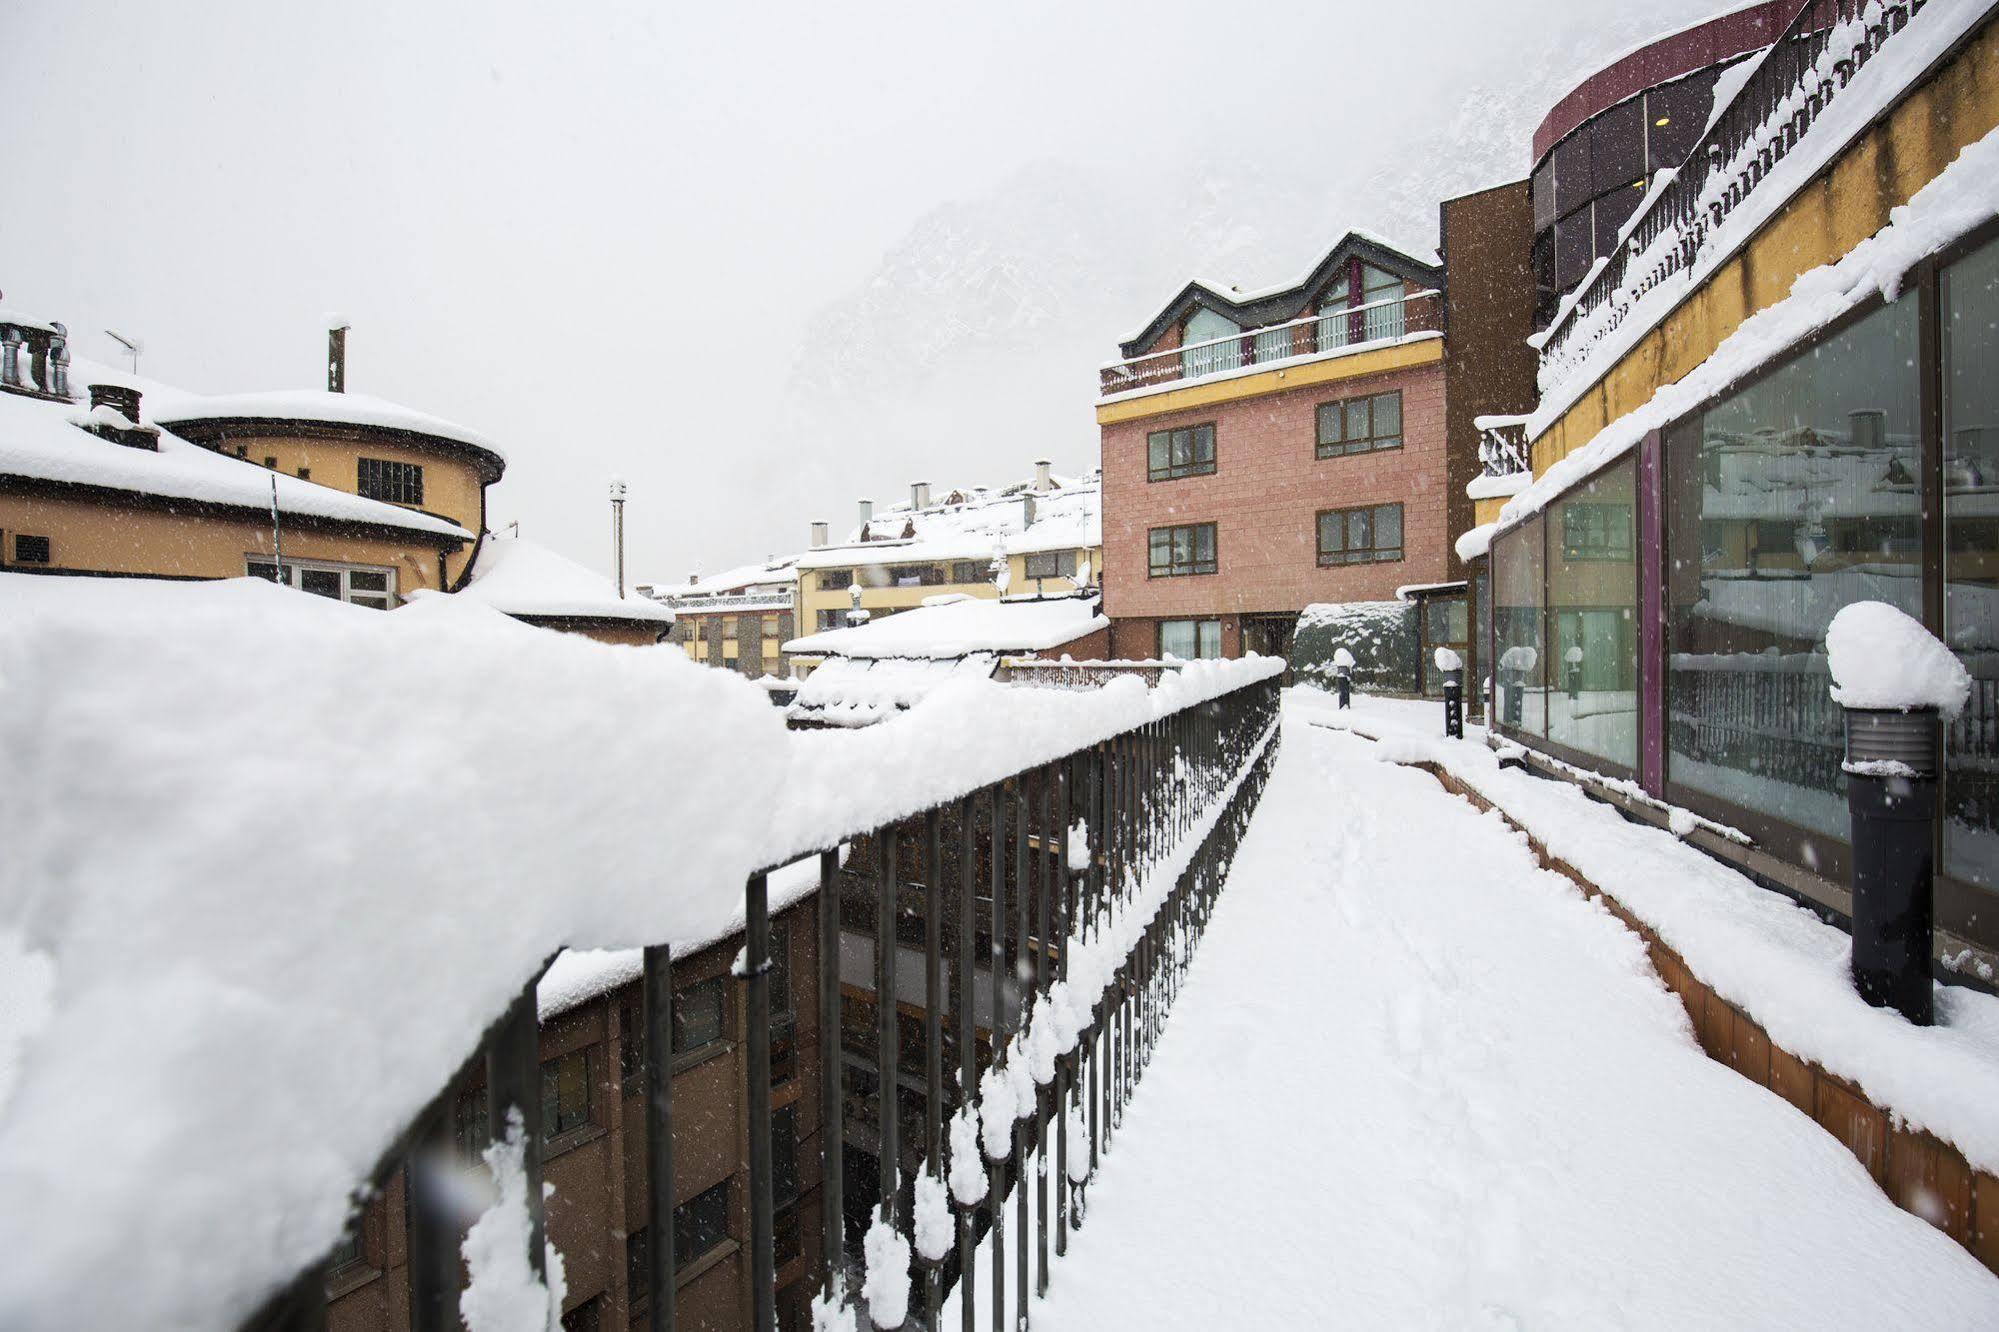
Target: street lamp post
<point x="618" y="530"/>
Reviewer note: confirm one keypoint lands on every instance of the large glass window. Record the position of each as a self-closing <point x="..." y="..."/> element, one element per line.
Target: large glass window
<point x="1190" y="640"/>
<point x="1592" y="627"/>
<point x="1519" y="696"/>
<point x="1360" y="536"/>
<point x="1360" y="425"/>
<point x="1791" y="498"/>
<point x="354" y="584"/>
<point x="1970" y="309"/>
<point x="1205" y="326"/>
<point x="1382" y="321"/>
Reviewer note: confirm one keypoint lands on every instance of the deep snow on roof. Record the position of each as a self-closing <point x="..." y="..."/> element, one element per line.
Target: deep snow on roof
<point x="40" y="440"/>
<point x="983" y="522"/>
<point x="953" y="626"/>
<point x="733" y="580"/>
<point x="359" y="409"/>
<point x="526" y="578"/>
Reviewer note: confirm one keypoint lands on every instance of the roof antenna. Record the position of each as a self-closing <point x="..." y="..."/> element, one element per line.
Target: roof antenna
<point x="132" y="346"/>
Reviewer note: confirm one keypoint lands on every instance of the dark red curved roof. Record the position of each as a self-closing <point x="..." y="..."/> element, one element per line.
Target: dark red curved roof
<point x="1706" y="43"/>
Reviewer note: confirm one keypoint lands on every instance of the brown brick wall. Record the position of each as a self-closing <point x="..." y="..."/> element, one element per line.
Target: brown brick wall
<point x="1264" y="498"/>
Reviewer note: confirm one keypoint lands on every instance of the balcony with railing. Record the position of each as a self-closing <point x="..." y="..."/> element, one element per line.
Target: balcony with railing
<point x="1694" y="217"/>
<point x="1502" y="445"/>
<point x="1329" y="332"/>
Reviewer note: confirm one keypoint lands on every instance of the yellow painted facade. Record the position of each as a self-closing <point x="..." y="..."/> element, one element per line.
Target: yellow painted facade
<point x="813" y="599"/>
<point x="1847" y="202"/>
<point x="1402" y="356"/>
<point x="101" y="537"/>
<point x="453" y="484"/>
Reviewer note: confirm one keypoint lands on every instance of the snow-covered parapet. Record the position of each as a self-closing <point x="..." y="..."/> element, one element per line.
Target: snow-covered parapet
<point x="237" y="1001"/>
<point x="1881" y="658"/>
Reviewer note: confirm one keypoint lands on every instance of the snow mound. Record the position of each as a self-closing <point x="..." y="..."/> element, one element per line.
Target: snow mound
<point x="1881" y="658"/>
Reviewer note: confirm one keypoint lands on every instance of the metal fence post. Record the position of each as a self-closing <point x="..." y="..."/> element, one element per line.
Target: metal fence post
<point x="513" y="1081"/>
<point x="756" y="972"/>
<point x="833" y="1243"/>
<point x="658" y="997"/>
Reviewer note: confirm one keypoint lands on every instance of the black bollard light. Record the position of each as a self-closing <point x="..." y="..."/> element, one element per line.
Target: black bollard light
<point x="1891" y="797"/>
<point x="1454" y="702"/>
<point x="1343" y="664"/>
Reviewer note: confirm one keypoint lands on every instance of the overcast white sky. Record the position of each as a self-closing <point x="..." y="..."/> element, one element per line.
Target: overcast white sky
<point x="597" y="231"/>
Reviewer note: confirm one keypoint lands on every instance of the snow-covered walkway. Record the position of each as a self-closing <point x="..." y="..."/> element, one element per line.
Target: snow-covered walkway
<point x="1415" y="1081"/>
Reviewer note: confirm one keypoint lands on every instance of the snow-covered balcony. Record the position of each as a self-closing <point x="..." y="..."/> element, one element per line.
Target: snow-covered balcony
<point x="1316" y="337"/>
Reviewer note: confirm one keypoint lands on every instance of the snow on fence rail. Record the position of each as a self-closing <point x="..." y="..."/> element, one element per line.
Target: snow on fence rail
<point x="290" y="888"/>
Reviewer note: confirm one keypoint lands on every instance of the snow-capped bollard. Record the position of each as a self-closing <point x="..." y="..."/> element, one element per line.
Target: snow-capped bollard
<point x="1896" y="683"/>
<point x="1891" y="798"/>
<point x="1572" y="669"/>
<point x="1343" y="665"/>
<point x="1453" y="669"/>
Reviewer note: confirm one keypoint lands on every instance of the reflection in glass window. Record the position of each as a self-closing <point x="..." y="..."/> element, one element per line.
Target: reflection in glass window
<point x="1617" y="146"/>
<point x="1592" y="629"/>
<point x="1970" y="310"/>
<point x="1520" y="698"/>
<point x="1791" y="498"/>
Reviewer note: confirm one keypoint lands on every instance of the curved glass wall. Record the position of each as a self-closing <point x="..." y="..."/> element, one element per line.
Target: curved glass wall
<point x="1592" y="180"/>
<point x="1969" y="299"/>
<point x="1790" y="498"/>
<point x="1592" y="629"/>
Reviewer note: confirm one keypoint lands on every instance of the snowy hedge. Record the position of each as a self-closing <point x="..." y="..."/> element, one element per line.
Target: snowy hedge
<point x="1381" y="635"/>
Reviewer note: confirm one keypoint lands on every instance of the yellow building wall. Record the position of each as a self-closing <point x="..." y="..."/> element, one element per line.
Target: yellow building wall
<point x="1424" y="351"/>
<point x="453" y="486"/>
<point x="1848" y="201"/>
<point x="812" y="599"/>
<point x="102" y="538"/>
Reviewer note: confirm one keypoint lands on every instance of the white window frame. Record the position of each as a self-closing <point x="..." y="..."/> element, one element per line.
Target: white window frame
<point x="348" y="593"/>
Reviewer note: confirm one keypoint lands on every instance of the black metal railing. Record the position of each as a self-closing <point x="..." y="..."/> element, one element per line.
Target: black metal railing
<point x="1160" y="809"/>
<point x="1502" y="445"/>
<point x="1762" y="124"/>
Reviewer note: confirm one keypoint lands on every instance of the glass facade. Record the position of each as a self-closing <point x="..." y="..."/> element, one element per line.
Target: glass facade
<point x="1792" y="497"/>
<point x="1592" y="616"/>
<point x="1969" y="308"/>
<point x="1520" y="695"/>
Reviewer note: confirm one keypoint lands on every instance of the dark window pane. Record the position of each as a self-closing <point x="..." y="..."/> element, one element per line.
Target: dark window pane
<point x="1332" y="533"/>
<point x="31" y="549"/>
<point x="699" y="1224"/>
<point x="1971" y="560"/>
<point x="1792" y="497"/>
<point x="1330" y="418"/>
<point x="1617" y="146"/>
<point x="1573" y="254"/>
<point x="1572" y="173"/>
<point x="1543" y="189"/>
<point x="565" y="1094"/>
<point x="267" y="572"/>
<point x="1388" y="527"/>
<point x="1675" y="116"/>
<point x="697" y="1016"/>
<point x="366" y="580"/>
<point x="469" y="1129"/>
<point x="320" y="582"/>
<point x="1387" y="414"/>
<point x="1612" y="210"/>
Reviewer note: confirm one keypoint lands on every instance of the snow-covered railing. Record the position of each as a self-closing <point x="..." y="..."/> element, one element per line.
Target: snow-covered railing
<point x="359" y="967"/>
<point x="1686" y="211"/>
<point x="1327" y="333"/>
<point x="1502" y="444"/>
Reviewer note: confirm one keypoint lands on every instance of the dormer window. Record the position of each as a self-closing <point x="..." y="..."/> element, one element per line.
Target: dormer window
<point x="1206" y="325"/>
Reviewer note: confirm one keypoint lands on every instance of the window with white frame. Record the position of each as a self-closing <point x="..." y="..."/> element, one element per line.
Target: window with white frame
<point x="356" y="584"/>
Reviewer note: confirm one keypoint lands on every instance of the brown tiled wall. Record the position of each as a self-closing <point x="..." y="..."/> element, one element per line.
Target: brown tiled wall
<point x="1923" y="1174"/>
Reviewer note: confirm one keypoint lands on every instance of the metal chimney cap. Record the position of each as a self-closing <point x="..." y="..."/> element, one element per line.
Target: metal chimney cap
<point x="1887" y="736"/>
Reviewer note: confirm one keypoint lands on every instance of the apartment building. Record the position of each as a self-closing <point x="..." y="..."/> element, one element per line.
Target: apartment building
<point x="1035" y="538"/>
<point x="594" y="1148"/>
<point x="1268" y="450"/>
<point x="1771" y="400"/>
<point x="738" y="620"/>
<point x="104" y="474"/>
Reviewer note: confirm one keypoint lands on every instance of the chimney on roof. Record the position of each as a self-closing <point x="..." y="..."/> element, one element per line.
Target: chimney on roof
<point x="1027" y="510"/>
<point x="919" y="494"/>
<point x="121" y="406"/>
<point x="867" y="511"/>
<point x="819" y="534"/>
<point x="694" y="578"/>
<point x="1042" y="480"/>
<point x="336" y="353"/>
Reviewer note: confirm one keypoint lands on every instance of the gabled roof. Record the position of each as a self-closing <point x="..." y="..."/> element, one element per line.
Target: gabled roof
<point x="957" y="625"/>
<point x="972" y="524"/>
<point x="1277" y="305"/>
